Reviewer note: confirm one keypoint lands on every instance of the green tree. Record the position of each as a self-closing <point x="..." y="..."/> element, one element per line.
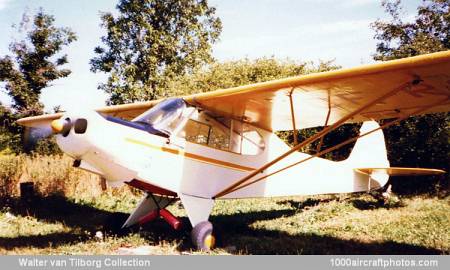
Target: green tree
<point x="429" y="32"/>
<point x="221" y="75"/>
<point x="421" y="141"/>
<point x="35" y="62"/>
<point x="10" y="132"/>
<point x="149" y="42"/>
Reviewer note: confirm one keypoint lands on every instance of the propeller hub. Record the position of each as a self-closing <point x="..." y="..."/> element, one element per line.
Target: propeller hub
<point x="57" y="126"/>
<point x="61" y="126"/>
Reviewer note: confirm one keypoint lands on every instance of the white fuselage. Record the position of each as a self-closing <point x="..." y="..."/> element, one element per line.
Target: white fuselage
<point x="120" y="154"/>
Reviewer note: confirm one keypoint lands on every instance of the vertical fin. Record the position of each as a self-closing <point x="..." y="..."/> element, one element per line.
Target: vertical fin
<point x="369" y="151"/>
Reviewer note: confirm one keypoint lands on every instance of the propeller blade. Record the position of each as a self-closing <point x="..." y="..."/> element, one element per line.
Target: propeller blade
<point x="33" y="134"/>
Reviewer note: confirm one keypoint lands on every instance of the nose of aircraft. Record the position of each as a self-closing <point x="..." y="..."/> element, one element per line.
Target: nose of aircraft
<point x="72" y="133"/>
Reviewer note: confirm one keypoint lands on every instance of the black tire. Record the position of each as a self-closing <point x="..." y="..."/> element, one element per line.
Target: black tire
<point x="202" y="236"/>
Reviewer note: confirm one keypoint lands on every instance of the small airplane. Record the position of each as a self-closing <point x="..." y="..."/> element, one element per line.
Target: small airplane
<point x="221" y="144"/>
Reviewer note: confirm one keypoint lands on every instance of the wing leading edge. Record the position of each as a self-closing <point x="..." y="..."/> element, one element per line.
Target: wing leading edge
<point x="126" y="111"/>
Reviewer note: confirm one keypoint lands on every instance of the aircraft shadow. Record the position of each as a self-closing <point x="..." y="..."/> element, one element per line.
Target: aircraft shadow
<point x="41" y="241"/>
<point x="370" y="205"/>
<point x="361" y="204"/>
<point x="235" y="231"/>
<point x="301" y="205"/>
<point x="83" y="220"/>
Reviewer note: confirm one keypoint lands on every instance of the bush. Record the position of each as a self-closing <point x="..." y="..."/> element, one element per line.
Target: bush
<point x="52" y="175"/>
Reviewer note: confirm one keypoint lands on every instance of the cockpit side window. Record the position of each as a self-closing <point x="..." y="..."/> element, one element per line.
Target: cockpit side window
<point x="196" y="132"/>
<point x="252" y="142"/>
<point x="246" y="140"/>
<point x="239" y="138"/>
<point x="219" y="138"/>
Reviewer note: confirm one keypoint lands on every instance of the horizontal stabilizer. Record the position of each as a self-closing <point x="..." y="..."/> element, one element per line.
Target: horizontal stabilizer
<point x="398" y="171"/>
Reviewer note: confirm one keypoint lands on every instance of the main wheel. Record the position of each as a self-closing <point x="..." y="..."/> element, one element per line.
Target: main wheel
<point x="202" y="236"/>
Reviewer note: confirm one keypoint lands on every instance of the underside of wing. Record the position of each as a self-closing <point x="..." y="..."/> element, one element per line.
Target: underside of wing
<point x="414" y="82"/>
<point x="398" y="171"/>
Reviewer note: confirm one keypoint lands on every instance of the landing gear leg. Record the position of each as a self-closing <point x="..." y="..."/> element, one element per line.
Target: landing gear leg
<point x="202" y="236"/>
<point x="198" y="210"/>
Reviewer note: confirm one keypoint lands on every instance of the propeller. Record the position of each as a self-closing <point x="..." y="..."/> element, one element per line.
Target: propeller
<point x="33" y="134"/>
<point x="44" y="130"/>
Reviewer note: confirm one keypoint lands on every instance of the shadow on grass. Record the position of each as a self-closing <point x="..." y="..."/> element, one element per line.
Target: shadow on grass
<point x="42" y="241"/>
<point x="84" y="220"/>
<point x="375" y="204"/>
<point x="304" y="205"/>
<point x="60" y="209"/>
<point x="361" y="204"/>
<point x="235" y="230"/>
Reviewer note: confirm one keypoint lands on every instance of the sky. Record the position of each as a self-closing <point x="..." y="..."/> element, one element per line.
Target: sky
<point x="302" y="30"/>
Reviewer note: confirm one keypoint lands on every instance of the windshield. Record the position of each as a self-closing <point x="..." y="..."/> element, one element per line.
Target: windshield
<point x="164" y="116"/>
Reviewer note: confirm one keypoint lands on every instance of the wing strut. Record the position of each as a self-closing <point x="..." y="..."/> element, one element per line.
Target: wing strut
<point x="318" y="135"/>
<point x="319" y="146"/>
<point x="293" y="117"/>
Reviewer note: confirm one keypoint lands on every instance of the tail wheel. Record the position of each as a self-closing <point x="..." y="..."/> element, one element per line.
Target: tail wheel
<point x="202" y="236"/>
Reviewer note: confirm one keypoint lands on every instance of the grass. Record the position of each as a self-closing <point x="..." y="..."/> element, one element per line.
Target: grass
<point x="295" y="225"/>
<point x="71" y="210"/>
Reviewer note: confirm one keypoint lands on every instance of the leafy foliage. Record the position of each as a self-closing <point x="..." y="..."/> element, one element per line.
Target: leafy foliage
<point x="333" y="138"/>
<point x="34" y="64"/>
<point x="236" y="73"/>
<point x="10" y="132"/>
<point x="421" y="141"/>
<point x="152" y="41"/>
<point x="428" y="33"/>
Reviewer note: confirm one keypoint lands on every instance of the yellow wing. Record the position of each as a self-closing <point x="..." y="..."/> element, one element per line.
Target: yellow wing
<point x="420" y="81"/>
<point x="414" y="82"/>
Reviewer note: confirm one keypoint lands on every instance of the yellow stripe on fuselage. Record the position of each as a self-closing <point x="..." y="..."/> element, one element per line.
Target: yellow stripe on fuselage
<point x="192" y="156"/>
